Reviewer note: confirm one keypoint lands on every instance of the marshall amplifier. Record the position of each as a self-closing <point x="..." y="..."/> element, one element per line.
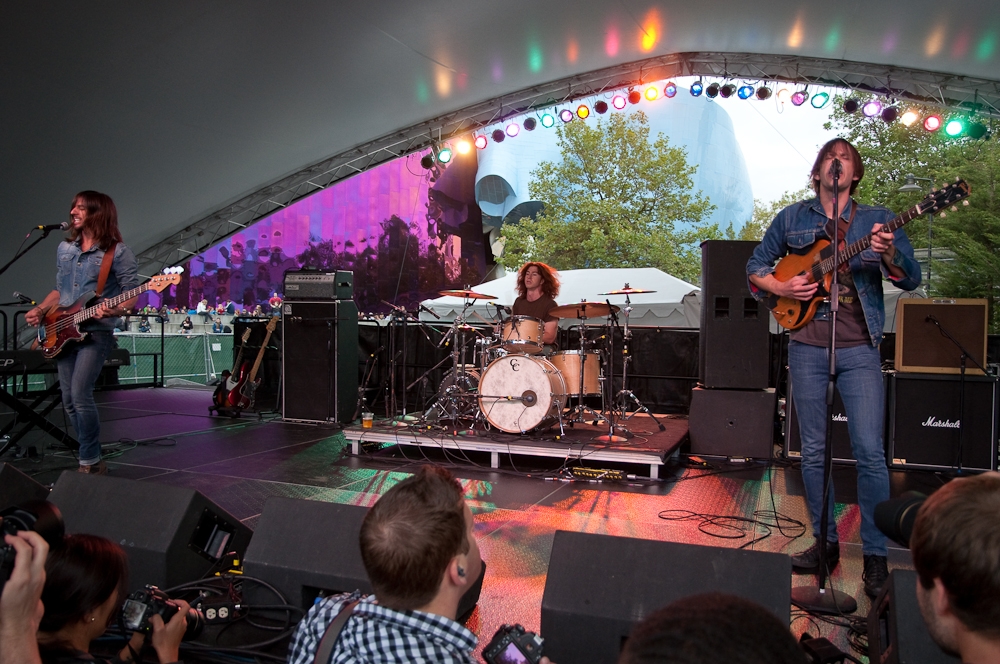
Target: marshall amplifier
<point x="319" y="286"/>
<point x="926" y="422"/>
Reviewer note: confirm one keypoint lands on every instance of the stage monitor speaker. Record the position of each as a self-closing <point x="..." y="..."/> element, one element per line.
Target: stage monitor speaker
<point x="16" y="488"/>
<point x="926" y="422"/>
<point x="599" y="587"/>
<point x="307" y="549"/>
<point x="921" y="345"/>
<point x="320" y="361"/>
<point x="732" y="423"/>
<point x="171" y="535"/>
<point x="734" y="344"/>
<point x="897" y="633"/>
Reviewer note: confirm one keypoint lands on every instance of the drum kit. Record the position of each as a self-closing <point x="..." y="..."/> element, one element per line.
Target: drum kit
<point x="510" y="381"/>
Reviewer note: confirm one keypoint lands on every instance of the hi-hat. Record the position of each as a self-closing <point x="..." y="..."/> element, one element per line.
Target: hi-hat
<point x="468" y="294"/>
<point x="628" y="290"/>
<point x="583" y="310"/>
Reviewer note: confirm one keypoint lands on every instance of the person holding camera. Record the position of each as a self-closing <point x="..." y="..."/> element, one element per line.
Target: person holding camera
<point x="21" y="601"/>
<point x="85" y="584"/>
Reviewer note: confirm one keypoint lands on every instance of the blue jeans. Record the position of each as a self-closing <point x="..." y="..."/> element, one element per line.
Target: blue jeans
<point x="859" y="381"/>
<point x="79" y="366"/>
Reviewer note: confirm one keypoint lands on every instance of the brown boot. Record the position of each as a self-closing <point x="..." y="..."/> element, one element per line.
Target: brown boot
<point x="99" y="468"/>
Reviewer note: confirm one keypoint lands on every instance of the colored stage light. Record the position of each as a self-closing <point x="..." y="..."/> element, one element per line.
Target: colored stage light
<point x="427" y="161"/>
<point x="463" y="147"/>
<point x="909" y="118"/>
<point x="763" y="92"/>
<point x="566" y="115"/>
<point x="696" y="88"/>
<point x="851" y="106"/>
<point x="784" y="94"/>
<point x="745" y="92"/>
<point x="799" y="97"/>
<point x="651" y="93"/>
<point x="548" y="121"/>
<point x="670" y="90"/>
<point x="498" y="135"/>
<point x="712" y="91"/>
<point x="872" y="108"/>
<point x="530" y="124"/>
<point x="582" y="111"/>
<point x="976" y="131"/>
<point x="618" y="102"/>
<point x="727" y="90"/>
<point x="513" y="129"/>
<point x="820" y="99"/>
<point x="634" y="97"/>
<point x="889" y="114"/>
<point x="444" y="155"/>
<point x="601" y="107"/>
<point x="932" y="122"/>
<point x="954" y="128"/>
<point x="481" y="142"/>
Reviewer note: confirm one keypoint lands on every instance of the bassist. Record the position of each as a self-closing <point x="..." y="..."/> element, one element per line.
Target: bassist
<point x="79" y="260"/>
<point x="860" y="323"/>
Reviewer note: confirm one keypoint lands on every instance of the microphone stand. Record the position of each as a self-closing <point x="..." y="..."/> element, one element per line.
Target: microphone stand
<point x="18" y="255"/>
<point x="818" y="598"/>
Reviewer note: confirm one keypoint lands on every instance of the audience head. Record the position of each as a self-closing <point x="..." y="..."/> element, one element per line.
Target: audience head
<point x="417" y="541"/>
<point x="86" y="581"/>
<point x="713" y="628"/>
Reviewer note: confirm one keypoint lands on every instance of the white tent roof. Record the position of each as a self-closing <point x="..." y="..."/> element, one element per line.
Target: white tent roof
<point x="663" y="308"/>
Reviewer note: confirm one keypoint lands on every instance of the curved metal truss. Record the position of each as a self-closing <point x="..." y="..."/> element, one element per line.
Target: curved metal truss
<point x="974" y="95"/>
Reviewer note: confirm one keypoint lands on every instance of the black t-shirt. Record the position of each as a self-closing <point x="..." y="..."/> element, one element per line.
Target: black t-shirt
<point x="539" y="309"/>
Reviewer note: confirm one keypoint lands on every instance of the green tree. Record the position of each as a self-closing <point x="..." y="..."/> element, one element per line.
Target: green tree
<point x="764" y="214"/>
<point x="616" y="199"/>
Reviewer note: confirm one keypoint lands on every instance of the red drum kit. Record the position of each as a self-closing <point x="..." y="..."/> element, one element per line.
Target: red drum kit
<point x="512" y="382"/>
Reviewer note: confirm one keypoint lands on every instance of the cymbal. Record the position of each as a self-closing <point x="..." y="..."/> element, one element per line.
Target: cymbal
<point x="628" y="290"/>
<point x="468" y="294"/>
<point x="583" y="310"/>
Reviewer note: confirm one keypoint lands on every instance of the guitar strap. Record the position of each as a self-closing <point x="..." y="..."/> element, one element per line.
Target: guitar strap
<point x="109" y="258"/>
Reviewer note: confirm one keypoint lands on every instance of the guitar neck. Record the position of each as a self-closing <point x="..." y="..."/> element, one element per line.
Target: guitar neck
<point x="856" y="247"/>
<point x="89" y="312"/>
<point x="260" y="356"/>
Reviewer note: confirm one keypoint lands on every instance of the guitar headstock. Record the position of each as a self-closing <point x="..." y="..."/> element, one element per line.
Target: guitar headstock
<point x="944" y="197"/>
<point x="159" y="282"/>
<point x="246" y="335"/>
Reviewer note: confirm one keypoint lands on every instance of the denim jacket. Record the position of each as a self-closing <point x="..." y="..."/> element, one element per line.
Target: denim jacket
<point x="799" y="225"/>
<point x="77" y="272"/>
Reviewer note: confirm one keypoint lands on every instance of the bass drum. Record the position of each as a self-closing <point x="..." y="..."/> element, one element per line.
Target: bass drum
<point x="519" y="393"/>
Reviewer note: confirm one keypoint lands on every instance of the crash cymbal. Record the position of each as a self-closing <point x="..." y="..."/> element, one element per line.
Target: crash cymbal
<point x="583" y="310"/>
<point x="627" y="291"/>
<point x="468" y="294"/>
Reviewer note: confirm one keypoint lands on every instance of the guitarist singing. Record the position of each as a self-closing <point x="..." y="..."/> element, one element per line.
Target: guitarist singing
<point x="860" y="322"/>
<point x="79" y="261"/>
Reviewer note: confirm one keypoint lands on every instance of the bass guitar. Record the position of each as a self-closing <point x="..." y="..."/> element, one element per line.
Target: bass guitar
<point x="817" y="264"/>
<point x="241" y="397"/>
<point x="61" y="325"/>
<point x="221" y="395"/>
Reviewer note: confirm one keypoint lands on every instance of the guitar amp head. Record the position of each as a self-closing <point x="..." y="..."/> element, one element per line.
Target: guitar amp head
<point x="315" y="286"/>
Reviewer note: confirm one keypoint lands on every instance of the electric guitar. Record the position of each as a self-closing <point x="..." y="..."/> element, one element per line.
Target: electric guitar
<point x="61" y="325"/>
<point x="241" y="397"/>
<point x="221" y="395"/>
<point x="818" y="262"/>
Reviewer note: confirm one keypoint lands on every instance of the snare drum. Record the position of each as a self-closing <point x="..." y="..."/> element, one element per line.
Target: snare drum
<point x="568" y="362"/>
<point x="522" y="334"/>
<point x="518" y="393"/>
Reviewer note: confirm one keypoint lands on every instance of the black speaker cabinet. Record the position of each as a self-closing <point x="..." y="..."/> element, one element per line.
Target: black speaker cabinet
<point x="599" y="587"/>
<point x="16" y="488"/>
<point x="926" y="423"/>
<point x="171" y="535"/>
<point x="320" y="358"/>
<point x="897" y="633"/>
<point x="732" y="423"/>
<point x="734" y="347"/>
<point x="308" y="548"/>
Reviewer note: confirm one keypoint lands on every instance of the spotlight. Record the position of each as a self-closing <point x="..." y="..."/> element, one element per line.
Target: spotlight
<point x="566" y="115"/>
<point x="697" y="88"/>
<point x="427" y="161"/>
<point x="651" y="93"/>
<point x="618" y="102"/>
<point x="498" y="135"/>
<point x="799" y="97"/>
<point x="763" y="92"/>
<point x="784" y="94"/>
<point x="954" y="128"/>
<point x="530" y="124"/>
<point x="976" y="131"/>
<point x="582" y="112"/>
<point x="548" y="121"/>
<point x="889" y="114"/>
<point x="634" y="97"/>
<point x="745" y="92"/>
<point x="851" y="106"/>
<point x="909" y="118"/>
<point x="463" y="147"/>
<point x="712" y="91"/>
<point x="932" y="122"/>
<point x="872" y="108"/>
<point x="513" y="129"/>
<point x="670" y="90"/>
<point x="444" y="155"/>
<point x="481" y="142"/>
<point x="820" y="99"/>
<point x="727" y="90"/>
<point x="601" y="107"/>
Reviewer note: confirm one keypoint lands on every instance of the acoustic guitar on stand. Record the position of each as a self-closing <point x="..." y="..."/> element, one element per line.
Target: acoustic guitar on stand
<point x="818" y="262"/>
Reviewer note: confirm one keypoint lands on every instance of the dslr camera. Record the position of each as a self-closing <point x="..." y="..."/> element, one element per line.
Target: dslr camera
<point x="37" y="515"/>
<point x="144" y="604"/>
<point x="512" y="645"/>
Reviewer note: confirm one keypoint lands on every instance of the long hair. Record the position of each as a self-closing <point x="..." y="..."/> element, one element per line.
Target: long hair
<point x="101" y="221"/>
<point x="859" y="167"/>
<point x="80" y="575"/>
<point x="550" y="282"/>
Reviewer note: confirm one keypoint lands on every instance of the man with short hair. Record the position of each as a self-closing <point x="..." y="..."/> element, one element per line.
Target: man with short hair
<point x="956" y="551"/>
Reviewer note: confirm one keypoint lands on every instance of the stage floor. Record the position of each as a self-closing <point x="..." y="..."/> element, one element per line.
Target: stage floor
<point x="167" y="436"/>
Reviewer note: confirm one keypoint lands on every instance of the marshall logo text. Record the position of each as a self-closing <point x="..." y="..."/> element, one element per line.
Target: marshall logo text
<point x="932" y="421"/>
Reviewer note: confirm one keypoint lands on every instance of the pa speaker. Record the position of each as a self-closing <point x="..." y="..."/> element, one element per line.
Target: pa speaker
<point x="732" y="423"/>
<point x="307" y="549"/>
<point x="734" y="346"/>
<point x="171" y="535"/>
<point x="897" y="633"/>
<point x="590" y="605"/>
<point x="16" y="488"/>
<point x="320" y="358"/>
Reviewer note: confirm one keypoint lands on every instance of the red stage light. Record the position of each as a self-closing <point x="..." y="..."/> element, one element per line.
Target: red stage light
<point x="932" y="122"/>
<point x="634" y="97"/>
<point x="481" y="142"/>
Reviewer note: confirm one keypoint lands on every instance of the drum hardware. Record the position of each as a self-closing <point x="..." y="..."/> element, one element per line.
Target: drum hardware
<point x="583" y="310"/>
<point x="370" y="363"/>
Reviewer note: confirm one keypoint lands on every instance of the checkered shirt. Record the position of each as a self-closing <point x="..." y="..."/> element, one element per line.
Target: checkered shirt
<point x="374" y="633"/>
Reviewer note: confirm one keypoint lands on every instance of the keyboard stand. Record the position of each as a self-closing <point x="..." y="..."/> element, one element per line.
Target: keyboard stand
<point x="30" y="418"/>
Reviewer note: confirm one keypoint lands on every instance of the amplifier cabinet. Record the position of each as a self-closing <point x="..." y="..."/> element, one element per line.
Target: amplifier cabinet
<point x="926" y="423"/>
<point x="314" y="285"/>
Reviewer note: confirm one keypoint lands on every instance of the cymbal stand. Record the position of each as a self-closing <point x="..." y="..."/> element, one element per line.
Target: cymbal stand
<point x="610" y="436"/>
<point x="581" y="409"/>
<point x="454" y="402"/>
<point x="625" y="395"/>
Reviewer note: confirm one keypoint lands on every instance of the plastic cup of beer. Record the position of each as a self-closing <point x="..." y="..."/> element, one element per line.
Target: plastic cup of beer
<point x="367" y="419"/>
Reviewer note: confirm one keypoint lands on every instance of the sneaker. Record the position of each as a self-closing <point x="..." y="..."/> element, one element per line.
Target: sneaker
<point x="99" y="468"/>
<point x="807" y="562"/>
<point x="875" y="575"/>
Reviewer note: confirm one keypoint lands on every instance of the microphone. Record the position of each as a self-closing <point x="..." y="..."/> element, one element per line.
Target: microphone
<point x="501" y="307"/>
<point x="929" y="319"/>
<point x="23" y="299"/>
<point x="429" y="311"/>
<point x="53" y="227"/>
<point x="836" y="168"/>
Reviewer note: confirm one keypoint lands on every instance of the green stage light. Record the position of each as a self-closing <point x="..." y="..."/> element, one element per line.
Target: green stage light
<point x="954" y="128"/>
<point x="444" y="156"/>
<point x="548" y="121"/>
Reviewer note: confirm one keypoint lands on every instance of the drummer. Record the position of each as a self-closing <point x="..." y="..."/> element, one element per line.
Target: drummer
<point x="537" y="288"/>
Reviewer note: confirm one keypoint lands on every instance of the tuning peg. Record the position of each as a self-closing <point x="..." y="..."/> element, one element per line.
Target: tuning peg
<point x="957" y="178"/>
<point x="965" y="203"/>
<point x="954" y="208"/>
<point x="944" y="214"/>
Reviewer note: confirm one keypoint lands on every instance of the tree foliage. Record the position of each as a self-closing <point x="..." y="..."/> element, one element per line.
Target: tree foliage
<point x="616" y="199"/>
<point x="764" y="214"/>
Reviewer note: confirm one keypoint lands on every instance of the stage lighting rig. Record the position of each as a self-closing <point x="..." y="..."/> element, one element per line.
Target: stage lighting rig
<point x="566" y="115"/>
<point x="851" y="106"/>
<point x="601" y="107"/>
<point x="712" y="91"/>
<point x="548" y="121"/>
<point x="651" y="93"/>
<point x="670" y="90"/>
<point x="582" y="111"/>
<point x="763" y="92"/>
<point x="530" y="124"/>
<point x="727" y="90"/>
<point x="745" y="91"/>
<point x="799" y="97"/>
<point x="697" y="88"/>
<point x="618" y="102"/>
<point x="889" y="114"/>
<point x="820" y="99"/>
<point x="513" y="129"/>
<point x="634" y="97"/>
<point x="481" y="142"/>
<point x="872" y="108"/>
<point x="498" y="135"/>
